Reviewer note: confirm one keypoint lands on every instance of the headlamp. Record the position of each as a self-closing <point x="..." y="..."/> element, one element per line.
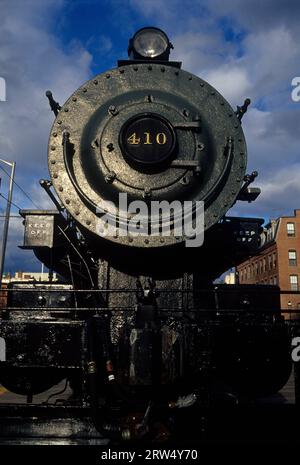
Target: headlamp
<point x="149" y="43"/>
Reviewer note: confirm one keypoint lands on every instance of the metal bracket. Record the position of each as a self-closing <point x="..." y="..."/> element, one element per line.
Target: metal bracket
<point x="55" y="106"/>
<point x="187" y="125"/>
<point x="249" y="194"/>
<point x="187" y="164"/>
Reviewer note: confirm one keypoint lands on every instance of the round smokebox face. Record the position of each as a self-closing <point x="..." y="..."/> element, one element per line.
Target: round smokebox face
<point x="147" y="139"/>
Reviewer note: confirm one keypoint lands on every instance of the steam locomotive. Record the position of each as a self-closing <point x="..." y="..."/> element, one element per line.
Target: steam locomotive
<point x="136" y="323"/>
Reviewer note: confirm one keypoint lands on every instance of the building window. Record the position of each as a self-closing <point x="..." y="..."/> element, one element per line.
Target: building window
<point x="274" y="260"/>
<point x="292" y="258"/>
<point x="270" y="262"/>
<point x="294" y="282"/>
<point x="290" y="228"/>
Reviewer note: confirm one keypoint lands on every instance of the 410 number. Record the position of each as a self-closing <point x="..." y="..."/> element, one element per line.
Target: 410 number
<point x="148" y="139"/>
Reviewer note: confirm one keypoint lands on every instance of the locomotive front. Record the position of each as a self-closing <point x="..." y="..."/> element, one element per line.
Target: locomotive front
<point x="151" y="132"/>
<point x="144" y="159"/>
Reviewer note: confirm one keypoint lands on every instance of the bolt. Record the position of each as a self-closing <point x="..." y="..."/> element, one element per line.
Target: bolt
<point x="110" y="147"/>
<point x="147" y="193"/>
<point x="197" y="170"/>
<point x="113" y="110"/>
<point x="110" y="177"/>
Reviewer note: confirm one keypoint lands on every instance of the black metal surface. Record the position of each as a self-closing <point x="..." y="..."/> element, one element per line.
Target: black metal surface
<point x="104" y="105"/>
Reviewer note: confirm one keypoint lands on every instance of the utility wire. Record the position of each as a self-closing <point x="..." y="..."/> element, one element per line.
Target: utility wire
<point x="29" y="198"/>
<point x="14" y="204"/>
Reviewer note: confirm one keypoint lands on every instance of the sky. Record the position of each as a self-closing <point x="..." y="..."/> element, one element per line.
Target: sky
<point x="243" y="48"/>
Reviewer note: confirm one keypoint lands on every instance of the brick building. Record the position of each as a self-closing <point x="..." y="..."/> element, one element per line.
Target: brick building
<point x="278" y="260"/>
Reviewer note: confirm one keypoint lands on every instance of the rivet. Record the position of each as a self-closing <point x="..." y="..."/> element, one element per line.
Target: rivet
<point x="74" y="99"/>
<point x="60" y="188"/>
<point x="238" y="180"/>
<point x="122" y="71"/>
<point x="135" y="68"/>
<point x="222" y="103"/>
<point x="190" y="78"/>
<point x="54" y="134"/>
<point x="147" y="193"/>
<point x="176" y="73"/>
<point x="53" y="162"/>
<point x="88" y="222"/>
<point x="162" y="240"/>
<point x="84" y="89"/>
<point x="55" y="175"/>
<point x="66" y="110"/>
<point x="95" y="82"/>
<point x="110" y="177"/>
<point x="107" y="76"/>
<point x="236" y="126"/>
<point x="163" y="69"/>
<point x="77" y="212"/>
<point x="130" y="239"/>
<point x="67" y="201"/>
<point x="242" y="153"/>
<point x="239" y="140"/>
<point x="146" y="241"/>
<point x="113" y="110"/>
<point x="201" y="84"/>
<point x="59" y="122"/>
<point x="212" y="92"/>
<point x="52" y="147"/>
<point x="229" y="114"/>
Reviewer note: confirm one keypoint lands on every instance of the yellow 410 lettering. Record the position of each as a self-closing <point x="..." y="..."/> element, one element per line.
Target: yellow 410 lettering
<point x="160" y="138"/>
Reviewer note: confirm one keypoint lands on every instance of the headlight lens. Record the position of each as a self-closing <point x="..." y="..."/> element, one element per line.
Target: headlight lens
<point x="150" y="42"/>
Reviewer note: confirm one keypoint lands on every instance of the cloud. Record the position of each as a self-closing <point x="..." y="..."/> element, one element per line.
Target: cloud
<point x="231" y="81"/>
<point x="247" y="49"/>
<point x="32" y="60"/>
<point x="243" y="48"/>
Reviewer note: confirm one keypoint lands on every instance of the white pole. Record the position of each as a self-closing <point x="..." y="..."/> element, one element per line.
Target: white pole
<point x="7" y="216"/>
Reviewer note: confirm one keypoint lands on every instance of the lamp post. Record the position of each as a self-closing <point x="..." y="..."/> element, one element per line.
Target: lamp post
<point x="12" y="165"/>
